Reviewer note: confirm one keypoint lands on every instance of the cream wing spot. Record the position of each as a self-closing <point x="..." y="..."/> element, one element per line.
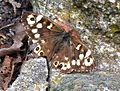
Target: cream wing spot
<point x="37" y="36"/>
<point x="38" y="18"/>
<point x="39" y="25"/>
<point x="82" y="68"/>
<point x="50" y="26"/>
<point x="31" y="25"/>
<point x="88" y="53"/>
<point x="81" y="56"/>
<point x="56" y="63"/>
<point x="41" y="52"/>
<point x="30" y="20"/>
<point x="63" y="66"/>
<point x="68" y="65"/>
<point x="78" y="47"/>
<point x="73" y="62"/>
<point x="88" y="62"/>
<point x="30" y="16"/>
<point x="43" y="41"/>
<point x="34" y="30"/>
<point x="34" y="41"/>
<point x="78" y="62"/>
<point x="66" y="58"/>
<point x="37" y="49"/>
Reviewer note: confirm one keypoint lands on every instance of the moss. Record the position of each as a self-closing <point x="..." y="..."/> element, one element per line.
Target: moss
<point x="114" y="33"/>
<point x="114" y="28"/>
<point x="116" y="38"/>
<point x="56" y="79"/>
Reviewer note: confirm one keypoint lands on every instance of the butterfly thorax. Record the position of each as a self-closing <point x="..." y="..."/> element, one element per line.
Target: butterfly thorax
<point x="62" y="39"/>
<point x="64" y="36"/>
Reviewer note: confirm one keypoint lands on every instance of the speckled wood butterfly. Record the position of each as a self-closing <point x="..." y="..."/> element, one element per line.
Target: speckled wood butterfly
<point x="60" y="43"/>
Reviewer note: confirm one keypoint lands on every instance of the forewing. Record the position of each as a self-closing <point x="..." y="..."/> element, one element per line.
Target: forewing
<point x="42" y="31"/>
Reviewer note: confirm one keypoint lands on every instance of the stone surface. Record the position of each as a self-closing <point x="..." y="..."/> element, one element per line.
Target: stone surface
<point x="94" y="19"/>
<point x="33" y="76"/>
<point x="89" y="82"/>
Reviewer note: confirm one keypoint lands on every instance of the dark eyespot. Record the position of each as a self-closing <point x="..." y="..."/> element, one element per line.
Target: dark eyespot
<point x="41" y="53"/>
<point x="60" y="66"/>
<point x="88" y="60"/>
<point x="32" y="19"/>
<point x="56" y="63"/>
<point x="37" y="48"/>
<point x="65" y="65"/>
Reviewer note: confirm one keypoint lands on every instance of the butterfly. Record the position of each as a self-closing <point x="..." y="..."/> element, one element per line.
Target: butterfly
<point x="61" y="45"/>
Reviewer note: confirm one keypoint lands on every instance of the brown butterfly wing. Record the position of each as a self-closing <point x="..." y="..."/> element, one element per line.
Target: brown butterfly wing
<point x="64" y="49"/>
<point x="73" y="56"/>
<point x="42" y="32"/>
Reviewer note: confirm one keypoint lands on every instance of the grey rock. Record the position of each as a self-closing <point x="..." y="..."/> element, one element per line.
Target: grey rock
<point x="32" y="77"/>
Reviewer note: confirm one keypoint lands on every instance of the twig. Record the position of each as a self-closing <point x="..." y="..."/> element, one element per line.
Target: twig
<point x="7" y="26"/>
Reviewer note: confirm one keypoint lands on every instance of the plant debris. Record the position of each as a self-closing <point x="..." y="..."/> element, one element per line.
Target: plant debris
<point x="14" y="4"/>
<point x="13" y="40"/>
